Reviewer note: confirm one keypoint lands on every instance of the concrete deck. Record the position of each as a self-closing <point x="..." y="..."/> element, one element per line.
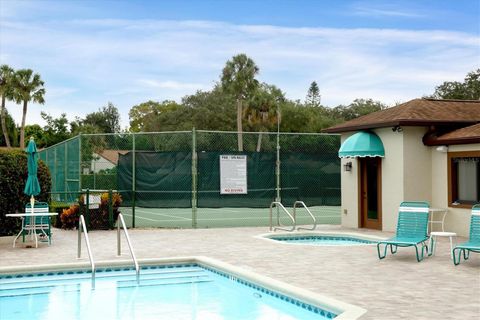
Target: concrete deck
<point x="397" y="287"/>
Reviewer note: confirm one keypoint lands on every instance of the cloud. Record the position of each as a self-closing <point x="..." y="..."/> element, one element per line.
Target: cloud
<point x="86" y="63"/>
<point x="384" y="10"/>
<point x="174" y="85"/>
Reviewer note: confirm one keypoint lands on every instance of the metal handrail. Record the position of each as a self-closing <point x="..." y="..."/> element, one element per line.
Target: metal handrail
<point x="310" y="213"/>
<point x="119" y="246"/>
<point x="81" y="224"/>
<point x="279" y="204"/>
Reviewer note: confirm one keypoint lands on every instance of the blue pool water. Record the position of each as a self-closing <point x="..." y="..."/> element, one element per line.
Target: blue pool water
<point x="188" y="291"/>
<point x="322" y="240"/>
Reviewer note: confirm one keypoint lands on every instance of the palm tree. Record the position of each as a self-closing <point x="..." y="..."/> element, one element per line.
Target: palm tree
<point x="261" y="111"/>
<point x="6" y="92"/>
<point x="27" y="87"/>
<point x="238" y="78"/>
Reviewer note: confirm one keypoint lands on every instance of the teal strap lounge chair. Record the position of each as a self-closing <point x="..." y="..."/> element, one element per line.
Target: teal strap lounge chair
<point x="411" y="230"/>
<point x="473" y="243"/>
<point x="42" y="224"/>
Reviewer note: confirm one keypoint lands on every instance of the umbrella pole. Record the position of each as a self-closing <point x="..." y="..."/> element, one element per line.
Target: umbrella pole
<point x="32" y="218"/>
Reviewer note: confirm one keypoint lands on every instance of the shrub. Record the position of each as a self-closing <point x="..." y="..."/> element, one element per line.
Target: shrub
<point x="99" y="217"/>
<point x="70" y="217"/>
<point x="13" y="176"/>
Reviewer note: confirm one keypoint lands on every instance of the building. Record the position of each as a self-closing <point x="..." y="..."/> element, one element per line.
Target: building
<point x="424" y="149"/>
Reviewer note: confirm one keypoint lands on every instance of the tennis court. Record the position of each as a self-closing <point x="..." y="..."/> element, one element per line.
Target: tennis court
<point x="223" y="217"/>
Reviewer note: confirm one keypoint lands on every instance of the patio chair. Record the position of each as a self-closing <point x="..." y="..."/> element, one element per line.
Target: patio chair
<point x="473" y="243"/>
<point x="412" y="228"/>
<point x="42" y="224"/>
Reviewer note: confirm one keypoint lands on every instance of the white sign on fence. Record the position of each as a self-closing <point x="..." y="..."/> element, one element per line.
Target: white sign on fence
<point x="233" y="174"/>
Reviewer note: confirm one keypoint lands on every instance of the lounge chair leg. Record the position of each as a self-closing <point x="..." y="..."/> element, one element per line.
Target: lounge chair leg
<point x="466" y="254"/>
<point x="416" y="251"/>
<point x="384" y="253"/>
<point x="391" y="249"/>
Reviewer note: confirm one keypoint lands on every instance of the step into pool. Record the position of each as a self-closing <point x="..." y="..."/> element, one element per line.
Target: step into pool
<point x="322" y="239"/>
<point x="183" y="291"/>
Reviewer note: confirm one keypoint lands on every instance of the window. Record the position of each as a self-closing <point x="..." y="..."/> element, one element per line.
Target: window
<point x="463" y="178"/>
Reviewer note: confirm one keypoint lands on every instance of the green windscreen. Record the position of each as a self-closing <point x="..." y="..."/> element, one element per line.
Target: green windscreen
<point x="162" y="179"/>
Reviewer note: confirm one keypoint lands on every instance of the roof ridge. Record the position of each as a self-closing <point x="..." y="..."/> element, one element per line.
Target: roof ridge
<point x="450" y="100"/>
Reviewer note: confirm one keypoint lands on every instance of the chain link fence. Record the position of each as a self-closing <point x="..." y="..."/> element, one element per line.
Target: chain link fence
<point x="173" y="179"/>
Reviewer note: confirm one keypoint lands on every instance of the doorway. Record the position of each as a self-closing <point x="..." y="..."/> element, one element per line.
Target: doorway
<point x="370" y="197"/>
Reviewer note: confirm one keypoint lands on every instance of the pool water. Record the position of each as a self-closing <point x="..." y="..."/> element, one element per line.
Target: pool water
<point x="322" y="240"/>
<point x="169" y="292"/>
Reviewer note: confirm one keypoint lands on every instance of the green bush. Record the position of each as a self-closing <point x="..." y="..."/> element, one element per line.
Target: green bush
<point x="13" y="175"/>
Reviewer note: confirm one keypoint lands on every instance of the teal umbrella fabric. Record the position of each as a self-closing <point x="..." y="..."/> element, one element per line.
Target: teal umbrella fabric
<point x="32" y="187"/>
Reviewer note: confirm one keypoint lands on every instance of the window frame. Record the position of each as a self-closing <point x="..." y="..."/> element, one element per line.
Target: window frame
<point x="452" y="176"/>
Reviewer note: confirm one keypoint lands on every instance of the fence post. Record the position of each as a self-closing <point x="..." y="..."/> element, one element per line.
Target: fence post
<point x="194" y="179"/>
<point x="134" y="179"/>
<point x="110" y="209"/>
<point x="87" y="208"/>
<point x="277" y="171"/>
<point x="80" y="161"/>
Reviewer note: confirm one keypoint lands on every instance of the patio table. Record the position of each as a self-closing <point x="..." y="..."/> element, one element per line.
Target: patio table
<point x="30" y="227"/>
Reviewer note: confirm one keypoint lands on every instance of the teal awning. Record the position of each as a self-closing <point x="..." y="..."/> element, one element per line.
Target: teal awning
<point x="362" y="144"/>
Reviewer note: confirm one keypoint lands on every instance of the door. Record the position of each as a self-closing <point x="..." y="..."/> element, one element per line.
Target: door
<point x="370" y="193"/>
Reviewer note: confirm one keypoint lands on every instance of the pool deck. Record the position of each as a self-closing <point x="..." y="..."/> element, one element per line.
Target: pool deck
<point x="397" y="287"/>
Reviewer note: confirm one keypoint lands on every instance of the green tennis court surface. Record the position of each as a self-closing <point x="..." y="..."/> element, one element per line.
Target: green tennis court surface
<point x="224" y="217"/>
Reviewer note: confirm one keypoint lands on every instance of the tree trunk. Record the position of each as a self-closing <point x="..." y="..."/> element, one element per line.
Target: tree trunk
<point x="239" y="125"/>
<point x="259" y="142"/>
<point x="4" y="125"/>
<point x="22" y="128"/>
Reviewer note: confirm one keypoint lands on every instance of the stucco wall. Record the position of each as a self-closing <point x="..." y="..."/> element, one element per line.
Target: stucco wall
<point x="350" y="186"/>
<point x="417" y="165"/>
<point x="392" y="176"/>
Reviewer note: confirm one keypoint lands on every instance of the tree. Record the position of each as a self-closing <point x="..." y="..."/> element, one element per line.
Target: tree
<point x="37" y="132"/>
<point x="12" y="131"/>
<point x="358" y="108"/>
<point x="56" y="129"/>
<point x="211" y="110"/>
<point x="155" y="116"/>
<point x="261" y="110"/>
<point x="313" y="98"/>
<point x="238" y="78"/>
<point x="106" y="119"/>
<point x="6" y="74"/>
<point x="469" y="89"/>
<point x="27" y="87"/>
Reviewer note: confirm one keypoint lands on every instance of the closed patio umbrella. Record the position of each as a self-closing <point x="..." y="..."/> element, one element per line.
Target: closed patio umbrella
<point x="32" y="187"/>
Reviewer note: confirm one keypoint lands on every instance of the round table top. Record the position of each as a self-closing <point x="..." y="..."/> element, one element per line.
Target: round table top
<point x="443" y="234"/>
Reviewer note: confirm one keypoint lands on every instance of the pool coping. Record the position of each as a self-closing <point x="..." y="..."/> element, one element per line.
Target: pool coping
<point x="343" y="310"/>
<point x="267" y="237"/>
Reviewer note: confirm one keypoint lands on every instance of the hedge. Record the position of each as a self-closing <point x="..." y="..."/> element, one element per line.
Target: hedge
<point x="13" y="175"/>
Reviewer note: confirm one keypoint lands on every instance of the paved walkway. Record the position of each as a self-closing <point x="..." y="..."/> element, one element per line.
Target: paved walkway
<point x="394" y="288"/>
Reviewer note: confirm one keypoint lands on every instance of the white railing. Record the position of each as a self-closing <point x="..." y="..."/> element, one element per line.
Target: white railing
<point x="121" y="224"/>
<point x="280" y="205"/>
<point x="82" y="225"/>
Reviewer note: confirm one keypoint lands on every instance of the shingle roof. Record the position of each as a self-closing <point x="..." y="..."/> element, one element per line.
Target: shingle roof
<point x="417" y="112"/>
<point x="112" y="155"/>
<point x="465" y="135"/>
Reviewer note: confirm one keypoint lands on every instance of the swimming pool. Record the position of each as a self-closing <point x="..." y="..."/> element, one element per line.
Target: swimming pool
<point x="321" y="239"/>
<point x="172" y="291"/>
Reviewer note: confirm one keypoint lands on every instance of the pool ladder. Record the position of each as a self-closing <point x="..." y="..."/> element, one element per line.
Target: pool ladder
<point x="292" y="217"/>
<point x="121" y="224"/>
<point x="82" y="225"/>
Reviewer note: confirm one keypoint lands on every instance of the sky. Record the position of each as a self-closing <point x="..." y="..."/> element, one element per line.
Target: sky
<point x="90" y="53"/>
